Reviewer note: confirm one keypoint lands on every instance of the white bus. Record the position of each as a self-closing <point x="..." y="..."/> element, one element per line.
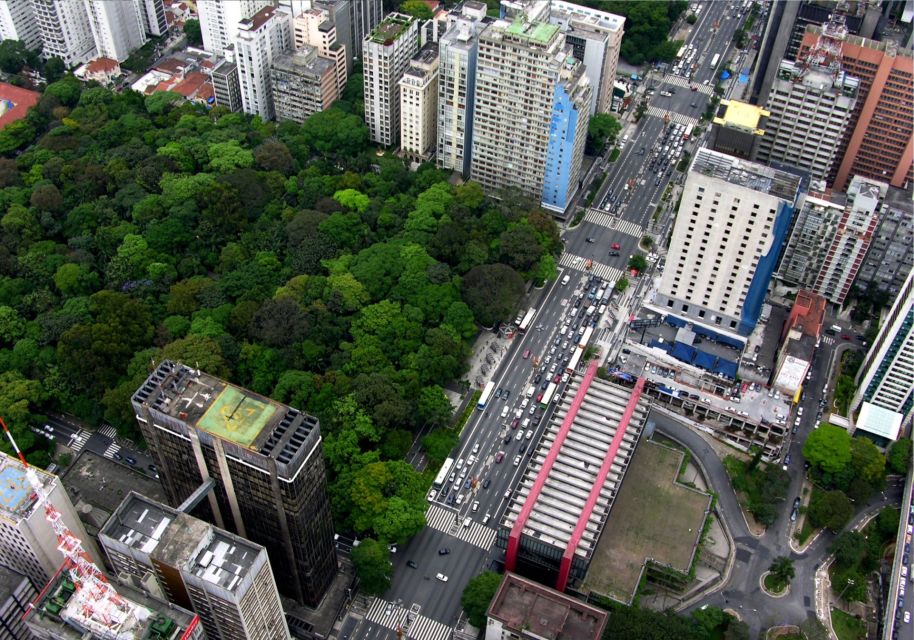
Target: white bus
<point x="586" y="337"/>
<point x="682" y="51"/>
<point x="528" y="318"/>
<point x="486" y="394"/>
<point x="715" y="60"/>
<point x="687" y="135"/>
<point x="547" y="395"/>
<point x="443" y="473"/>
<point x="575" y="359"/>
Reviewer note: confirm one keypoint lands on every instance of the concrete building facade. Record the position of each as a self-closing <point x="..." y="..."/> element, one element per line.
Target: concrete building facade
<point x="815" y="227"/>
<point x="364" y="17"/>
<point x="388" y="50"/>
<point x="17" y="22"/>
<point x="265" y="462"/>
<point x="219" y="20"/>
<point x="152" y="13"/>
<point x="117" y="27"/>
<point x="314" y="27"/>
<point x="261" y="38"/>
<point x="732" y="222"/>
<point x="737" y="128"/>
<point x="65" y="31"/>
<point x="303" y="83"/>
<point x="16" y="594"/>
<point x="419" y="105"/>
<point x="891" y="254"/>
<point x="226" y="86"/>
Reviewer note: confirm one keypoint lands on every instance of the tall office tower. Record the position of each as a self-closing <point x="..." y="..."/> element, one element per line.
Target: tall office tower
<point x="116" y="26"/>
<point x="879" y="143"/>
<point x="28" y="543"/>
<point x="314" y="27"/>
<point x="457" y="50"/>
<point x="65" y="31"/>
<point x="152" y="12"/>
<point x="419" y="104"/>
<point x="388" y="50"/>
<point x="303" y="83"/>
<point x="810" y="239"/>
<point x="595" y="38"/>
<point x="219" y="20"/>
<point x="737" y="128"/>
<point x="891" y="254"/>
<point x="265" y="459"/>
<point x="17" y="22"/>
<point x="339" y="12"/>
<point x="16" y="594"/>
<point x="223" y="578"/>
<point x="226" y="86"/>
<point x="525" y="76"/>
<point x="732" y="222"/>
<point x="261" y="38"/>
<point x="810" y="105"/>
<point x="851" y="240"/>
<point x="364" y="16"/>
<point x="886" y="378"/>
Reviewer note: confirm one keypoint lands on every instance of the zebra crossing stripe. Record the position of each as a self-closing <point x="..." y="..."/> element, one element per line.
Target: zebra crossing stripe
<point x="425" y="628"/>
<point x="444" y="520"/>
<point x="674" y="116"/>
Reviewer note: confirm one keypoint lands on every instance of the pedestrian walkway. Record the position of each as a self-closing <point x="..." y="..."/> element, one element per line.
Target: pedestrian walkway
<point x="596" y="216"/>
<point x="79" y="440"/>
<point x="674" y="116"/>
<point x="111" y="450"/>
<point x="447" y="521"/>
<point x="107" y="430"/>
<point x="412" y="625"/>
<point x="679" y="81"/>
<point x="827" y="340"/>
<point x="597" y="268"/>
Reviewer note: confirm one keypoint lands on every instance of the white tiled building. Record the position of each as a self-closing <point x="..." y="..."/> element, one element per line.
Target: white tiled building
<point x="219" y="20"/>
<point x="418" y="104"/>
<point x="117" y="27"/>
<point x="65" y="31"/>
<point x="387" y="52"/>
<point x="263" y="36"/>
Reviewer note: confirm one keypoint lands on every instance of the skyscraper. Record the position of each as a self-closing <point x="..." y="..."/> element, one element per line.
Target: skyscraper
<point x="264" y="459"/>
<point x="65" y="31"/>
<point x="17" y="22"/>
<point x="388" y="50"/>
<point x="364" y="16"/>
<point x="152" y="13"/>
<point x="219" y="20"/>
<point x="261" y="38"/>
<point x="226" y="580"/>
<point x="418" y="104"/>
<point x="28" y="543"/>
<point x="732" y="222"/>
<point x="117" y="27"/>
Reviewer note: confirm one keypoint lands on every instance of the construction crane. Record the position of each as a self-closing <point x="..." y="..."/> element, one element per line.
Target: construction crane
<point x="100" y="606"/>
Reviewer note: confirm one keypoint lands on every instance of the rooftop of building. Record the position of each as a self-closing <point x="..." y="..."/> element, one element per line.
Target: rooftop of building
<point x="67" y="610"/>
<point x="226" y="411"/>
<point x="305" y="61"/>
<point x="391" y="28"/>
<point x="886" y="45"/>
<point x="257" y="20"/>
<point x="899" y="198"/>
<point x="741" y="115"/>
<point x="749" y="175"/>
<point x="15" y="103"/>
<point x="103" y="65"/>
<point x="808" y="313"/>
<point x="539" y="32"/>
<point x="879" y="421"/>
<point x="590" y="413"/>
<point x="818" y="78"/>
<point x="597" y="18"/>
<point x="427" y="55"/>
<point x="541" y="612"/>
<point x="17" y="496"/>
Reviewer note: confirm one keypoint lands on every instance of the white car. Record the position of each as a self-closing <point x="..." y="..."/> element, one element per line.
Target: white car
<point x="516" y="461"/>
<point x="476" y="448"/>
<point x="459" y="499"/>
<point x="476" y="505"/>
<point x="471" y="460"/>
<point x="441" y="577"/>
<point x="907" y="617"/>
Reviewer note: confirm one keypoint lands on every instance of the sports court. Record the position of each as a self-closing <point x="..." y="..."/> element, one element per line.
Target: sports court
<point x="236" y="416"/>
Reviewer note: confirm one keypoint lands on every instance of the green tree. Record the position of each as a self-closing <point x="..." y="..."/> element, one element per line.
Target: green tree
<point x="601" y="131"/>
<point x="849" y="547"/>
<point x="477" y="596"/>
<point x="849" y="585"/>
<point x="492" y="292"/>
<point x="438" y="444"/>
<point x="828" y="448"/>
<point x="691" y="18"/>
<point x="900" y="456"/>
<point x="830" y="509"/>
<point x="622" y="284"/>
<point x="433" y="406"/>
<point x="637" y="262"/>
<point x="417" y="9"/>
<point x="782" y="570"/>
<point x="372" y="564"/>
<point x="14" y="55"/>
<point x="54" y="69"/>
<point x="193" y="32"/>
<point x="335" y="133"/>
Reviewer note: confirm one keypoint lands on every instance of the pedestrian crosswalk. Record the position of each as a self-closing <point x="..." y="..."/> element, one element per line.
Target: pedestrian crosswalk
<point x="596" y="216"/>
<point x="79" y="440"/>
<point x="107" y="430"/>
<point x="674" y="116"/>
<point x="679" y="81"/>
<point x="827" y="340"/>
<point x="411" y="624"/>
<point x="597" y="268"/>
<point x="447" y="521"/>
<point x="112" y="449"/>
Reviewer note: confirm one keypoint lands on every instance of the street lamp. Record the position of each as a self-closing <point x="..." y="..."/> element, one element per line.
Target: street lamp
<point x="850" y="583"/>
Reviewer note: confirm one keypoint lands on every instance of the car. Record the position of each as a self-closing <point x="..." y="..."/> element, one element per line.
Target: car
<point x="537" y="378"/>
<point x="471" y="460"/>
<point x="553" y="367"/>
<point x="486" y="483"/>
<point x="443" y="551"/>
<point x="907" y="617"/>
<point x="693" y="104"/>
<point x="516" y="460"/>
<point x="613" y="254"/>
<point x="117" y="456"/>
<point x="499" y="456"/>
<point x="787" y="459"/>
<point x="506" y="394"/>
<point x="565" y="377"/>
<point x="545" y="384"/>
<point x="441" y="577"/>
<point x="616" y="246"/>
<point x="515" y="422"/>
<point x="486" y="517"/>
<point x="526" y="354"/>
<point x="799" y="411"/>
<point x="459" y="463"/>
<point x="450" y="499"/>
<point x="411" y="564"/>
<point x="845" y="336"/>
<point x="590" y="240"/>
<point x="507" y="494"/>
<point x="475" y="506"/>
<point x="532" y="409"/>
<point x="557" y="378"/>
<point x="557" y="340"/>
<point x="519" y="436"/>
<point x="452" y="477"/>
<point x="153" y="468"/>
<point x="498" y="393"/>
<point x="523" y="447"/>
<point x="467" y="483"/>
<point x="459" y="500"/>
<point x="476" y="448"/>
<point x="507" y="439"/>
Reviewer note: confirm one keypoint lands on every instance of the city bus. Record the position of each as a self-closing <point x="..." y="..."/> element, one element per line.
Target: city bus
<point x="682" y="51"/>
<point x="486" y="395"/>
<point x="575" y="359"/>
<point x="528" y="318"/>
<point x="715" y="60"/>
<point x="443" y="473"/>
<point x="687" y="134"/>
<point x="547" y="395"/>
<point x="586" y="337"/>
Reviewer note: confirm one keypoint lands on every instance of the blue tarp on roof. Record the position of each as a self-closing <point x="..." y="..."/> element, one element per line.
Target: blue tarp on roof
<point x="727" y="368"/>
<point x="717" y="337"/>
<point x="705" y="360"/>
<point x="674" y="321"/>
<point x="684" y="352"/>
<point x="660" y="345"/>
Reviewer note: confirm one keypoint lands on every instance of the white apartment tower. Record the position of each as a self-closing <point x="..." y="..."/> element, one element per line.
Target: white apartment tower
<point x="732" y="221"/>
<point x="219" y="20"/>
<point x="152" y="13"/>
<point x="886" y="378"/>
<point x="387" y="52"/>
<point x="65" y="31"/>
<point x="117" y="27"/>
<point x="17" y="22"/>
<point x="223" y="578"/>
<point x="851" y="240"/>
<point x="314" y="27"/>
<point x="263" y="36"/>
<point x="457" y="50"/>
<point x="28" y="543"/>
<point x="418" y="104"/>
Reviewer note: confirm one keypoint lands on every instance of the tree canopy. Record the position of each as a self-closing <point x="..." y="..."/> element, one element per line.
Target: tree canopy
<point x="477" y="596"/>
<point x="372" y="562"/>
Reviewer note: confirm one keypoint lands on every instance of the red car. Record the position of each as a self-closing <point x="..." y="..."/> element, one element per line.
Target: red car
<point x="557" y="378"/>
<point x="844" y="336"/>
<point x="616" y="246"/>
<point x="499" y="456"/>
<point x="515" y="422"/>
<point x="526" y="354"/>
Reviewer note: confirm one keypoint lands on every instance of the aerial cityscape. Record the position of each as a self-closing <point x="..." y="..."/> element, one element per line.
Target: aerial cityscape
<point x="456" y="319"/>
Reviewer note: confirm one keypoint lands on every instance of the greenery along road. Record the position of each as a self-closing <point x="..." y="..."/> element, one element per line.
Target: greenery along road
<point x="287" y="258"/>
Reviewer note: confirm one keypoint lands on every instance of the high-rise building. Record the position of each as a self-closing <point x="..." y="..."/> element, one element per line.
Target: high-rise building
<point x="388" y="50"/>
<point x="529" y="88"/>
<point x="17" y="22"/>
<point x="886" y="377"/>
<point x="879" y="142"/>
<point x="314" y="27"/>
<point x="152" y="13"/>
<point x="264" y="459"/>
<point x="117" y="27"/>
<point x="457" y="50"/>
<point x="261" y="38"/>
<point x="65" y="31"/>
<point x="851" y="240"/>
<point x="737" y="128"/>
<point x="732" y="222"/>
<point x="419" y="104"/>
<point x="339" y="13"/>
<point x="364" y="16"/>
<point x="226" y="86"/>
<point x="891" y="254"/>
<point x="303" y="83"/>
<point x="219" y="20"/>
<point x="16" y="594"/>
<point x="226" y="580"/>
<point x="28" y="543"/>
<point x="810" y="239"/>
